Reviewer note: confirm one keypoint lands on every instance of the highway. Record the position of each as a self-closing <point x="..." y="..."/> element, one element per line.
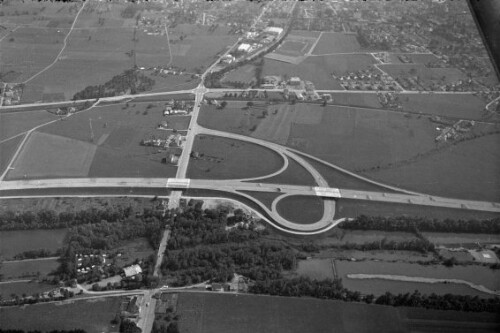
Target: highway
<point x="238" y="187"/>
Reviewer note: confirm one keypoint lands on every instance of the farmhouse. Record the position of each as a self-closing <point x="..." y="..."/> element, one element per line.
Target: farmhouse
<point x="295" y="81"/>
<point x="132" y="271"/>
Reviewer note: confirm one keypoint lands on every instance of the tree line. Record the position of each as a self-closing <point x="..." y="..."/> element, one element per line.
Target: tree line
<point x="333" y="289"/>
<point x="410" y="224"/>
<point x="131" y="81"/>
<point x="50" y="219"/>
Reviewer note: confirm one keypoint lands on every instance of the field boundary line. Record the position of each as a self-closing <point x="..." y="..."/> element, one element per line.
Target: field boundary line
<point x="63" y="48"/>
<point x="168" y="44"/>
<point x="13" y="137"/>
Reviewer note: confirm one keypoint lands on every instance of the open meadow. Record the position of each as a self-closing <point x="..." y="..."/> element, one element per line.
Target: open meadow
<point x="335" y="42"/>
<point x="354" y="208"/>
<point x="473" y="165"/>
<point x="93" y="316"/>
<point x="115" y="150"/>
<point x="464" y="106"/>
<point x="7" y="151"/>
<point x="14" y="123"/>
<point x="27" y="269"/>
<point x="425" y="74"/>
<point x="223" y="158"/>
<point x="199" y="47"/>
<point x="294" y="174"/>
<point x="207" y="313"/>
<point x="19" y="288"/>
<point x="301" y="209"/>
<point x="18" y="241"/>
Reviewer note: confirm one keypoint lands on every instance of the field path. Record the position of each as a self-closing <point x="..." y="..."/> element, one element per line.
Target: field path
<point x="62" y="49"/>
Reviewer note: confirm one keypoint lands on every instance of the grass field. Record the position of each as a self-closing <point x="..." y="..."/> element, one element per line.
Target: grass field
<point x="301" y="209"/>
<point x="473" y="165"/>
<point x="17" y="122"/>
<point x="199" y="48"/>
<point x="266" y="198"/>
<point x="442" y="238"/>
<point x="295" y="174"/>
<point x="475" y="274"/>
<point x="339" y="179"/>
<point x="15" y="242"/>
<point x="343" y="236"/>
<point x="20" y="288"/>
<point x="245" y="74"/>
<point x="354" y="208"/>
<point x="358" y="138"/>
<point x="27" y="50"/>
<point x="93" y="316"/>
<point x="361" y="100"/>
<point x="222" y="158"/>
<point x="247" y="313"/>
<point x="318" y="269"/>
<point x="118" y="131"/>
<point x="333" y="42"/>
<point x="28" y="269"/>
<point x="458" y="106"/>
<point x="100" y="47"/>
<point x="319" y="69"/>
<point x="7" y="150"/>
<point x="46" y="156"/>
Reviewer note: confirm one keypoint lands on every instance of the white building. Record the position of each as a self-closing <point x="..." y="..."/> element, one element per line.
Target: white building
<point x="132" y="270"/>
<point x="274" y="30"/>
<point x="244" y="47"/>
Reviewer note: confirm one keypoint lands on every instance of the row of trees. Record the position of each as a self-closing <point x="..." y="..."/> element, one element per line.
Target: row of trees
<point x="131" y="81"/>
<point x="410" y="224"/>
<point x="50" y="219"/>
<point x="33" y="254"/>
<point x="333" y="289"/>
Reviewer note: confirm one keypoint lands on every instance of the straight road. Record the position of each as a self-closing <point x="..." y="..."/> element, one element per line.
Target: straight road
<point x="161" y="251"/>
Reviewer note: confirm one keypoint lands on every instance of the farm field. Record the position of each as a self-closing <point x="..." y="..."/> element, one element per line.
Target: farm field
<point x="344" y="236"/>
<point x="18" y="241"/>
<point x="474" y="165"/>
<point x="362" y="100"/>
<point x="294" y="174"/>
<point x="19" y="288"/>
<point x="294" y="48"/>
<point x="28" y="50"/>
<point x="442" y="238"/>
<point x="361" y="138"/>
<point x="245" y="74"/>
<point x="336" y="42"/>
<point x="223" y="158"/>
<point x="46" y="156"/>
<point x="28" y="268"/>
<point x="199" y="48"/>
<point x="354" y="208"/>
<point x="416" y="58"/>
<point x="7" y="150"/>
<point x="248" y="313"/>
<point x="318" y="269"/>
<point x="338" y="179"/>
<point x="118" y="130"/>
<point x="93" y="316"/>
<point x="44" y="14"/>
<point x="14" y="123"/>
<point x="301" y="209"/>
<point x="457" y="106"/>
<point x="479" y="275"/>
<point x="318" y="70"/>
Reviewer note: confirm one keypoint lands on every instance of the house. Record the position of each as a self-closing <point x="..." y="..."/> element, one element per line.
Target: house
<point x="131" y="271"/>
<point x="244" y="47"/>
<point x="273" y="30"/>
<point x="295" y="81"/>
<point x="227" y="59"/>
<point x="217" y="287"/>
